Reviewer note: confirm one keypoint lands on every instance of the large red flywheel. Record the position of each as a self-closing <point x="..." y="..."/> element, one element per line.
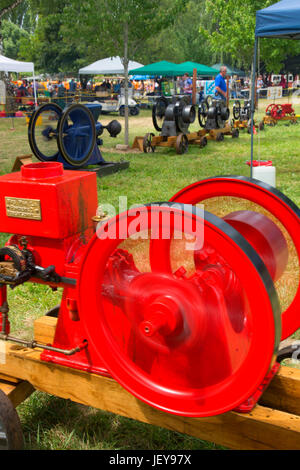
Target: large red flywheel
<point x="171" y="312"/>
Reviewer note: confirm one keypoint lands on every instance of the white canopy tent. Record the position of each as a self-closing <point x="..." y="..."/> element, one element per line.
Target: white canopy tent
<point x="10" y="65"/>
<point x="108" y="66"/>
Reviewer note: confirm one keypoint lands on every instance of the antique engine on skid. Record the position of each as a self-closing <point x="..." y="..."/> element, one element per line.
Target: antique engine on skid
<point x="181" y="306"/>
<point x="213" y="116"/>
<point x="242" y="116"/>
<point x="171" y="117"/>
<point x="176" y="114"/>
<point x="71" y="136"/>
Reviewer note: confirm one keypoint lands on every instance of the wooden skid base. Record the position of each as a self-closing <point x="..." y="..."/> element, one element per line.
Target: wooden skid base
<point x="20" y="161"/>
<point x="269" y="121"/>
<point x="240" y="125"/>
<point x="213" y="133"/>
<point x="273" y="424"/>
<point x="159" y="141"/>
<point x="109" y="168"/>
<point x="101" y="170"/>
<point x="194" y="138"/>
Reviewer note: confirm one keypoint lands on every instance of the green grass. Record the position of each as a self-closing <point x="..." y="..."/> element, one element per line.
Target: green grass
<point x="51" y="423"/>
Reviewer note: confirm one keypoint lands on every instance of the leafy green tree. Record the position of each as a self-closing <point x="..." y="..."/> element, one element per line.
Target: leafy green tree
<point x="181" y="41"/>
<point x="12" y="35"/>
<point x="232" y="30"/>
<point x="47" y="49"/>
<point x="6" y="7"/>
<point x="22" y="16"/>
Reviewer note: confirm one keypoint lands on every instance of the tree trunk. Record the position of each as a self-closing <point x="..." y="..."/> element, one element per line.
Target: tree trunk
<point x="126" y="63"/>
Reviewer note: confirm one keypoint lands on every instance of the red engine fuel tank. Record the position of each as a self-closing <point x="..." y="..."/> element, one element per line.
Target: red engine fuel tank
<point x="51" y="207"/>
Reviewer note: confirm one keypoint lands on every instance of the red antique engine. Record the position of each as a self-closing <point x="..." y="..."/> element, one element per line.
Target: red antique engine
<point x="280" y="111"/>
<point x="185" y="308"/>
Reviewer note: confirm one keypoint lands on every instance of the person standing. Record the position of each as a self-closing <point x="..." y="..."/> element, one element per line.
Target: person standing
<point x="60" y="95"/>
<point x="233" y="87"/>
<point x="179" y="84"/>
<point x="72" y="86"/>
<point x="220" y="85"/>
<point x="187" y="84"/>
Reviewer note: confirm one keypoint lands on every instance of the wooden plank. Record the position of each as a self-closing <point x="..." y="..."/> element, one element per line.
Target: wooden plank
<point x="20" y="161"/>
<point x="7" y="378"/>
<point x="44" y="329"/>
<point x="166" y="144"/>
<point x="284" y="391"/>
<point x="17" y="392"/>
<point x="138" y="143"/>
<point x="263" y="428"/>
<point x="7" y="387"/>
<point x="157" y="139"/>
<point x="282" y="394"/>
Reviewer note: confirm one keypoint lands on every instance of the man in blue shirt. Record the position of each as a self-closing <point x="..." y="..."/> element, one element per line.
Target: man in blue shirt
<point x="220" y="84"/>
<point x="187" y="85"/>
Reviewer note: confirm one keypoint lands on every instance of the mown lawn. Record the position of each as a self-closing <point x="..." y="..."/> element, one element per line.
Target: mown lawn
<point x="52" y="423"/>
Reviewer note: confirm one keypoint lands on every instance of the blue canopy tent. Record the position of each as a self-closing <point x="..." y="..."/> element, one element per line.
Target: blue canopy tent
<point x="281" y="20"/>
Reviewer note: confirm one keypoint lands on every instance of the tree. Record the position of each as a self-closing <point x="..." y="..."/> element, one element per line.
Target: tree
<point x="120" y="27"/>
<point x="6" y="7"/>
<point x="181" y="41"/>
<point x="232" y="30"/>
<point x="22" y="16"/>
<point x="12" y="36"/>
<point x="47" y="48"/>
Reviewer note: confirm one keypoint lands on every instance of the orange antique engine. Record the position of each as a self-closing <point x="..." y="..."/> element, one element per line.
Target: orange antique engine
<point x="181" y="306"/>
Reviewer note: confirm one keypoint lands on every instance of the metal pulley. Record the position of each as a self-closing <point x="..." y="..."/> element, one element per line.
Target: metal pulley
<point x="213" y="114"/>
<point x="70" y="136"/>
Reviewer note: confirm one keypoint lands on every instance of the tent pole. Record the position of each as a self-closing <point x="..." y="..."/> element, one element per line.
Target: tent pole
<point x="34" y="90"/>
<point x="253" y="102"/>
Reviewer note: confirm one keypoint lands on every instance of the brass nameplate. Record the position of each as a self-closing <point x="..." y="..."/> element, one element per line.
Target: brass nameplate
<point x="23" y="208"/>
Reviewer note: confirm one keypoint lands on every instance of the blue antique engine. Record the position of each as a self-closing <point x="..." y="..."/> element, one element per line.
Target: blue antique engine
<point x="70" y="136"/>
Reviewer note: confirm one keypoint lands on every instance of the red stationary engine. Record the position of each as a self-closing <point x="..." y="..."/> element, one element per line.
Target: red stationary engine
<point x="280" y="111"/>
<point x="181" y="306"/>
